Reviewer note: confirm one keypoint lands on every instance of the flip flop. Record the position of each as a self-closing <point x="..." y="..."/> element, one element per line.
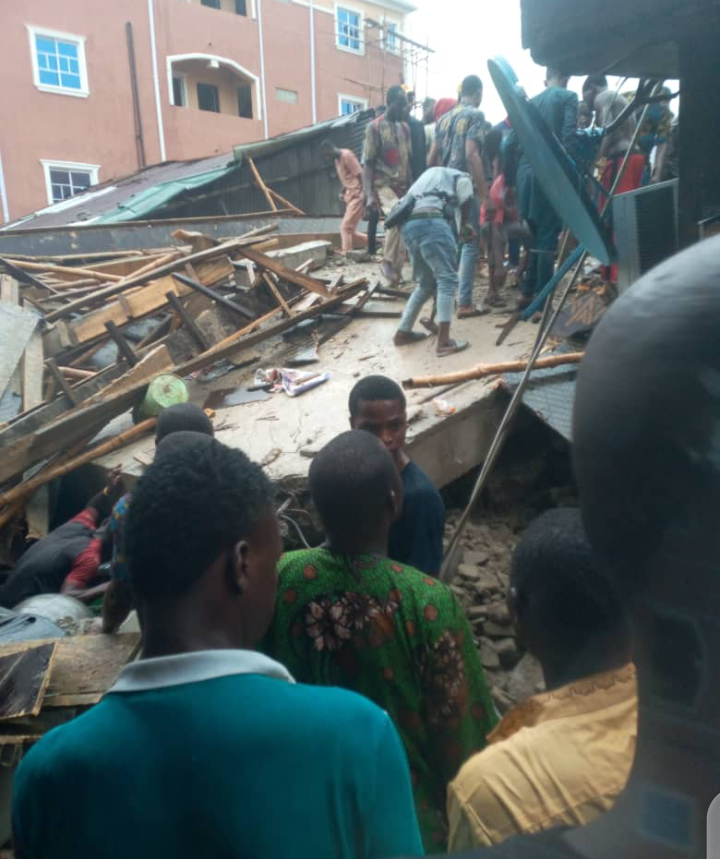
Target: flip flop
<point x="458" y="346"/>
<point x="476" y="311"/>
<point x="495" y="301"/>
<point x="415" y="337"/>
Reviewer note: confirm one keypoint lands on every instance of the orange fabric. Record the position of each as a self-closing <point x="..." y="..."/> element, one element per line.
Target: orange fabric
<point x="631" y="179"/>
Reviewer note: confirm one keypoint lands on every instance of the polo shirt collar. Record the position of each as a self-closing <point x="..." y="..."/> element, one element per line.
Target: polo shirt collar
<point x="164" y="671"/>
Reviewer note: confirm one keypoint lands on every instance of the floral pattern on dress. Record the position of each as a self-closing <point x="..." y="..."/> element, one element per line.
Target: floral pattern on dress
<point x="390" y="633"/>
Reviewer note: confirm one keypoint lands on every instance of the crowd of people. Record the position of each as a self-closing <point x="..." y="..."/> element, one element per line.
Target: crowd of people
<point x="330" y="702"/>
<point x="465" y="184"/>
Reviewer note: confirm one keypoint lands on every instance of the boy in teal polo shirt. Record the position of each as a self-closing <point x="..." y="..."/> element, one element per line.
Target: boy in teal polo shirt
<point x="203" y="747"/>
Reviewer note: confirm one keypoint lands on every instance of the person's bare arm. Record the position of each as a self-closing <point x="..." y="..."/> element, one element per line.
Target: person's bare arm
<point x="85" y="595"/>
<point x="660" y="156"/>
<point x="117" y="605"/>
<point x="434" y="156"/>
<point x="476" y="168"/>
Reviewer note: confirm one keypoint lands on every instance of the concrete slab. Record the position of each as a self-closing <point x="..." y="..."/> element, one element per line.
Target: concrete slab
<point x="280" y="429"/>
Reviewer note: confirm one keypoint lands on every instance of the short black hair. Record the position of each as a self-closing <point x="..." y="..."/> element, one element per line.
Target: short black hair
<point x="326" y="143"/>
<point x="470" y="85"/>
<point x="372" y="389"/>
<point x="394" y="93"/>
<point x="350" y="480"/>
<point x="195" y="501"/>
<point x="595" y="81"/>
<point x="558" y="579"/>
<point x="492" y="143"/>
<point x="183" y="417"/>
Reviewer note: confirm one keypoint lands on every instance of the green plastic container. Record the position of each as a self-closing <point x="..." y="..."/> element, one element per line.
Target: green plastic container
<point x="162" y="392"/>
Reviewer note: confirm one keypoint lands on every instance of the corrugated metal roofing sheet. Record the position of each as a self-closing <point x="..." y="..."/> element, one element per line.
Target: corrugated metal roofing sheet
<point x="550" y="394"/>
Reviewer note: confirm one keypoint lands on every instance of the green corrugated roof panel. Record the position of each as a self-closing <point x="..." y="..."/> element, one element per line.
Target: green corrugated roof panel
<point x="146" y="203"/>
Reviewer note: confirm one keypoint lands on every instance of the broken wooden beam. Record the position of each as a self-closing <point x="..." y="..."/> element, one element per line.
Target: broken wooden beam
<point x="139" y="280"/>
<point x="290" y="275"/>
<point x="62" y="381"/>
<point x="232" y="306"/>
<point x="268" y="278"/>
<point x="482" y="370"/>
<point x="188" y="321"/>
<point x="27" y="487"/>
<point x="261" y="184"/>
<point x="63" y="269"/>
<point x="236" y="343"/>
<point x="124" y="348"/>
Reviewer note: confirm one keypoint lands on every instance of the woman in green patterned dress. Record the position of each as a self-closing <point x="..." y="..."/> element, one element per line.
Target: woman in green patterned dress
<point x="349" y="616"/>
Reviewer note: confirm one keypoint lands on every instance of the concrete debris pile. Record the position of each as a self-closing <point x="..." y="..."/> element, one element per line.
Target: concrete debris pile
<point x="82" y="337"/>
<point x="481" y="585"/>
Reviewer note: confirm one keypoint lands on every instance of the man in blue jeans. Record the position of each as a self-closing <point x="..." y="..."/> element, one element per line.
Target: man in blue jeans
<point x="443" y="201"/>
<point x="459" y="142"/>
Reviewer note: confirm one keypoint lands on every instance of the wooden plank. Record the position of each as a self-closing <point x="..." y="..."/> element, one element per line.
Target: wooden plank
<point x="16" y="329"/>
<point x="132" y="306"/>
<point x="284" y="202"/>
<point x="188" y="322"/>
<point x="32" y="372"/>
<point x="276" y="292"/>
<point x="232" y="306"/>
<point x="9" y="289"/>
<point x="131" y="282"/>
<point x="61" y="269"/>
<point x="288" y="274"/>
<point x="125" y="350"/>
<point x="151" y="365"/>
<point x="27" y="487"/>
<point x="62" y="382"/>
<point x="84" y="664"/>
<point x="261" y="185"/>
<point x="24" y="678"/>
<point x="231" y="346"/>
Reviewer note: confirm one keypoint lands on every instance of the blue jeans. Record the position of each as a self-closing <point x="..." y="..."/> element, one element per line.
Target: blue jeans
<point x="469" y="253"/>
<point x="433" y="251"/>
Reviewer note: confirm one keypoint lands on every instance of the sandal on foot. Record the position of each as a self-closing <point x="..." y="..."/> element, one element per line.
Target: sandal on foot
<point x="410" y="337"/>
<point x="457" y="346"/>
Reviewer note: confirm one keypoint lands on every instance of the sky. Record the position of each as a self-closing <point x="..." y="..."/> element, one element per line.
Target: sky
<point x="464" y="35"/>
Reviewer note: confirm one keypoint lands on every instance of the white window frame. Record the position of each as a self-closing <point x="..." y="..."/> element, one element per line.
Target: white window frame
<point x="395" y="48"/>
<point x="252" y="79"/>
<point x="363" y="102"/>
<point x="183" y="77"/>
<point x="84" y="90"/>
<point x="47" y="165"/>
<point x="361" y="30"/>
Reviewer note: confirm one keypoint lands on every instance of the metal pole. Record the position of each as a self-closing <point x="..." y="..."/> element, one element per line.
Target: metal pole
<point x="450" y="560"/>
<point x="139" y="138"/>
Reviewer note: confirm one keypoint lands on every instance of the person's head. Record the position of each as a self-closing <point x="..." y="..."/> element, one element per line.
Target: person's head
<point x="593" y="86"/>
<point x="202" y="542"/>
<point x="471" y="90"/>
<point x="183" y="417"/>
<point x="556" y="77"/>
<point x="492" y="143"/>
<point x="567" y="613"/>
<point x="647" y="460"/>
<point x="584" y="115"/>
<point x="328" y="150"/>
<point x="429" y="111"/>
<point x="378" y="406"/>
<point x="397" y="104"/>
<point x="357" y="491"/>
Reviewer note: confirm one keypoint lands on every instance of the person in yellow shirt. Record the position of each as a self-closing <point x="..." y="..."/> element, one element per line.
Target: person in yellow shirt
<point x="560" y="758"/>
